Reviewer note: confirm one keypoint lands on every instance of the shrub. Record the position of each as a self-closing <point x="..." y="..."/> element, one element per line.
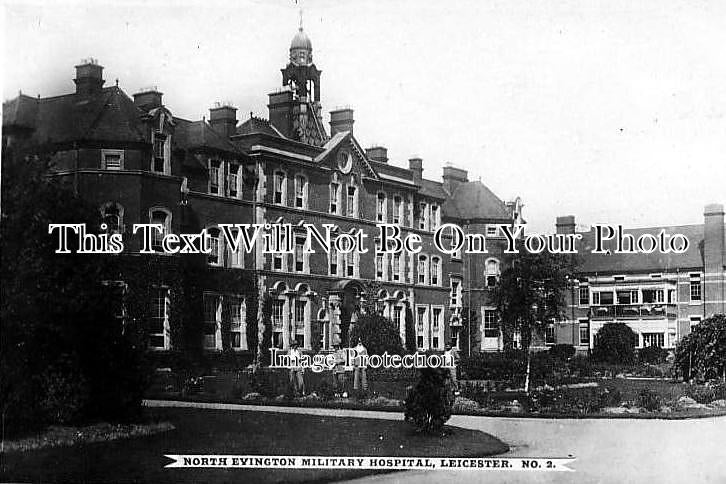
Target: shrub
<point x="378" y="334"/>
<point x="702" y="354"/>
<point x="648" y="399"/>
<point x="66" y="395"/>
<point x="652" y="354"/>
<point x="610" y="397"/>
<point x="429" y="403"/>
<point x="615" y="343"/>
<point x="704" y="394"/>
<point x="326" y="391"/>
<point x="580" y="366"/>
<point x="569" y="400"/>
<point x="562" y="352"/>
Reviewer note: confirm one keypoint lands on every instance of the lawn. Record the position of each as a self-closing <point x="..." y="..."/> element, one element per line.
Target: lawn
<point x="235" y="432"/>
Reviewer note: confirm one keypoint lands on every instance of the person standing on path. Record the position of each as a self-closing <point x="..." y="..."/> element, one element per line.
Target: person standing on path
<point x="297" y="381"/>
<point x="360" y="380"/>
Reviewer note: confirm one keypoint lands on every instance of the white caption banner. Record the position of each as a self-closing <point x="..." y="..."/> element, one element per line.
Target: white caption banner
<point x="537" y="464"/>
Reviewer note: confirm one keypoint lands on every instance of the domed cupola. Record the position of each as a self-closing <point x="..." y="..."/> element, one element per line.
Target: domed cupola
<point x="301" y="49"/>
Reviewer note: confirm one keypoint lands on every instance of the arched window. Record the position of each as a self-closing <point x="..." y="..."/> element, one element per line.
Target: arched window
<point x="160" y="216"/>
<point x="112" y="214"/>
<point x="423" y="269"/>
<point x="491" y="272"/>
<point x="435" y="271"/>
<point x="301" y="192"/>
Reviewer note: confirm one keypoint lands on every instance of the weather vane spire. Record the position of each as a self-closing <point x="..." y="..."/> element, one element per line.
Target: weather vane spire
<point x="301" y="18"/>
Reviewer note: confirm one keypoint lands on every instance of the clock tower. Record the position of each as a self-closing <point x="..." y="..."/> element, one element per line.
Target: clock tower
<point x="295" y="110"/>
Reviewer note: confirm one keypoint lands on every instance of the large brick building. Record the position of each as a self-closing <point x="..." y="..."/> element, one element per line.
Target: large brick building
<point x="140" y="163"/>
<point x="660" y="296"/>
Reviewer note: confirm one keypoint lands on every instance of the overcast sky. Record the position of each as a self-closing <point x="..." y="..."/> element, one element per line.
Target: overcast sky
<point x="612" y="111"/>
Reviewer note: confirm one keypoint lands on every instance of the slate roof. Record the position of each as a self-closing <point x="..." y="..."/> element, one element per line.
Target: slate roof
<point x="190" y="135"/>
<point x="654" y="262"/>
<point x="255" y="125"/>
<point x="109" y="115"/>
<point x="474" y="201"/>
<point x="430" y="188"/>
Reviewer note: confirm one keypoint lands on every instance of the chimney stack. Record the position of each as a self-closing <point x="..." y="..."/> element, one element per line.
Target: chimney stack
<point x="377" y="153"/>
<point x="89" y="77"/>
<point x="280" y="108"/>
<point x="415" y="164"/>
<point x="148" y="99"/>
<point x="565" y="225"/>
<point x="713" y="238"/>
<point x="223" y="118"/>
<point x="341" y="120"/>
<point x="453" y="177"/>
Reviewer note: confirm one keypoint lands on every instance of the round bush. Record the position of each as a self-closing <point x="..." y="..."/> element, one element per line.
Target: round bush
<point x="562" y="352"/>
<point x="429" y="403"/>
<point x="615" y="343"/>
<point x="652" y="354"/>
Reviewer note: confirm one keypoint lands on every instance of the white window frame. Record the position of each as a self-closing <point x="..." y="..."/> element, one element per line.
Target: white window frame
<point x="301" y="192"/>
<point x="335" y="199"/>
<point x="167" y="226"/>
<point x="217" y="241"/>
<point x="381" y="207"/>
<point x="422" y="272"/>
<point x="397" y="209"/>
<point x="165" y="324"/>
<point x="305" y="255"/>
<point x="282" y="189"/>
<point x="234" y="178"/>
<point x="351" y="201"/>
<point x="216" y="322"/>
<point x="422" y="327"/>
<point x="492" y="269"/>
<point x="107" y="153"/>
<point x="120" y="215"/>
<point x="423" y="216"/>
<point x="215" y="172"/>
<point x="436" y="271"/>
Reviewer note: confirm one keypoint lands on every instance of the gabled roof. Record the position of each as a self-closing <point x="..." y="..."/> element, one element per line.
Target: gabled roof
<point x="190" y="135"/>
<point x="639" y="262"/>
<point x="109" y="115"/>
<point x="474" y="201"/>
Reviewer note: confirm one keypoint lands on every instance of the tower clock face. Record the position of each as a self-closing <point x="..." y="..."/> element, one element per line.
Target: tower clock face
<point x="345" y="162"/>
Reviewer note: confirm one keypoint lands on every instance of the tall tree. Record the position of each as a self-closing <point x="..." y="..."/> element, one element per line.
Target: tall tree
<point x="530" y="294"/>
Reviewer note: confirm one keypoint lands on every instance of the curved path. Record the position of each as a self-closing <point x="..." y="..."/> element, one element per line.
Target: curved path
<point x="606" y="450"/>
